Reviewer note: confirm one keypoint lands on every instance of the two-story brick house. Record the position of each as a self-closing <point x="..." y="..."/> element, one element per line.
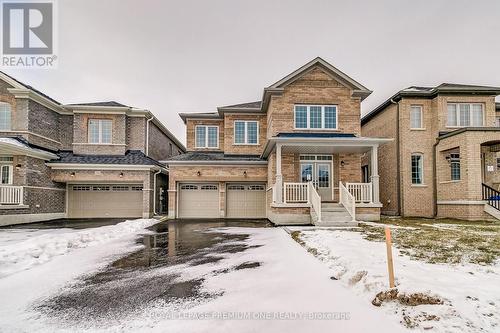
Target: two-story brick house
<point x="445" y="159"/>
<point x="78" y="160"/>
<point x="293" y="157"/>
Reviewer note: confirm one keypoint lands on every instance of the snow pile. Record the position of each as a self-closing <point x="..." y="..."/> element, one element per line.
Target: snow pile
<point x="24" y="254"/>
<point x="470" y="292"/>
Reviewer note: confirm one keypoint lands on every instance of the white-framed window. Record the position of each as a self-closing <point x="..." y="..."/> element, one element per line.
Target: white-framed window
<point x="207" y="136"/>
<point x="246" y="132"/>
<point x="416" y="117"/>
<point x="455" y="166"/>
<point x="100" y="131"/>
<point x="316" y="117"/>
<point x="6" y="172"/>
<point x="465" y="114"/>
<point x="417" y="169"/>
<point x="5" y="116"/>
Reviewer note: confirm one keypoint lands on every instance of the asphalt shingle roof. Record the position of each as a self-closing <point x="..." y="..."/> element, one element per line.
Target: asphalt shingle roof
<point x="107" y="103"/>
<point x="315" y="135"/>
<point x="250" y="105"/>
<point x="131" y="157"/>
<point x="32" y="88"/>
<point x="213" y="156"/>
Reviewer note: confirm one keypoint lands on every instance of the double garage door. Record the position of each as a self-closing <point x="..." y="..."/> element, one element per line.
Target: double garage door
<point x="202" y="200"/>
<point x="104" y="200"/>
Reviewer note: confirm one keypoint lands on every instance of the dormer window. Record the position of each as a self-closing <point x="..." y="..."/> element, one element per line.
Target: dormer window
<point x="465" y="115"/>
<point x="315" y="117"/>
<point x="5" y="117"/>
<point x="100" y="131"/>
<point x="207" y="136"/>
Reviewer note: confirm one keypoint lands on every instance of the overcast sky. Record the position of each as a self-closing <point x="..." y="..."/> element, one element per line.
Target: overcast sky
<point x="192" y="56"/>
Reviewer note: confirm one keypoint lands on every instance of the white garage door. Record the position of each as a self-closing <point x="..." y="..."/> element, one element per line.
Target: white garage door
<point x="246" y="201"/>
<point x="199" y="201"/>
<point x="104" y="200"/>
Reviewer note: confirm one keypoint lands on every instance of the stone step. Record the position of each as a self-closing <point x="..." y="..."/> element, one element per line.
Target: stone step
<point x="337" y="224"/>
<point x="333" y="209"/>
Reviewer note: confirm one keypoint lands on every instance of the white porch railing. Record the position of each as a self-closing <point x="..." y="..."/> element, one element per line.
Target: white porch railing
<point x="347" y="200"/>
<point x="295" y="193"/>
<point x="362" y="192"/>
<point x="314" y="200"/>
<point x="11" y="195"/>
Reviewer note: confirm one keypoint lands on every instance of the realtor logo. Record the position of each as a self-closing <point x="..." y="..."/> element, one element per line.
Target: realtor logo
<point x="28" y="29"/>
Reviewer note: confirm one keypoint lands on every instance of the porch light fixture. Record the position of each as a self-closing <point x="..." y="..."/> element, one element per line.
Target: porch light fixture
<point x="121" y="174"/>
<point x="342" y="163"/>
<point x="18" y="167"/>
<point x="72" y="174"/>
<point x="245" y="173"/>
<point x="198" y="173"/>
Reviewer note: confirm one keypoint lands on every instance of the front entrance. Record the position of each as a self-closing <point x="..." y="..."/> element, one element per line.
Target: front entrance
<point x="318" y="169"/>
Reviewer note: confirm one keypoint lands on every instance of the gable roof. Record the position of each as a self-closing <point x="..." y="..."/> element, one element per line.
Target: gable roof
<point x="107" y="103"/>
<point x="431" y="92"/>
<point x="343" y="78"/>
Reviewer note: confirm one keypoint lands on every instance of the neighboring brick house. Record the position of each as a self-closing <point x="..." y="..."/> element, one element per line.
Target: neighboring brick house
<point x="294" y="157"/>
<point x="445" y="159"/>
<point x="78" y="160"/>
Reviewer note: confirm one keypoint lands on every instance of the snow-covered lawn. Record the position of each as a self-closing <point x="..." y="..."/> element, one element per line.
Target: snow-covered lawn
<point x="454" y="262"/>
<point x="265" y="286"/>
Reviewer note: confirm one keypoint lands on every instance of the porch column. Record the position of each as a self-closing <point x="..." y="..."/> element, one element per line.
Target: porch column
<point x="279" y="177"/>
<point x="374" y="174"/>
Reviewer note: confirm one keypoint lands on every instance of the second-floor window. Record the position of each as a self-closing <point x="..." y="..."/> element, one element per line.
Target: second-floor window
<point x="246" y="132"/>
<point x="5" y="116"/>
<point x="465" y="114"/>
<point x="100" y="131"/>
<point x="416" y="117"/>
<point x="207" y="136"/>
<point x="315" y="116"/>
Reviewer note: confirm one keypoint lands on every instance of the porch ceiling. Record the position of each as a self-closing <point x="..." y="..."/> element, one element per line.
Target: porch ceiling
<point x="324" y="145"/>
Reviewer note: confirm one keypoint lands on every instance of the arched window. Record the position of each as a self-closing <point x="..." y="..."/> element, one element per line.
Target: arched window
<point x="5" y="116"/>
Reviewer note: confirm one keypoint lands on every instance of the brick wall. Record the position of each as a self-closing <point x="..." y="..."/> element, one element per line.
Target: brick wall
<point x="160" y="145"/>
<point x="231" y="148"/>
<point x="190" y="132"/>
<point x="80" y="135"/>
<point x="136" y="133"/>
<point x="315" y="87"/>
<point x="384" y="126"/>
<point x="66" y="131"/>
<point x="44" y="122"/>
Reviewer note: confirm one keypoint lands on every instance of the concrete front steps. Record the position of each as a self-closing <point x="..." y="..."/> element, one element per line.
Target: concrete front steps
<point x="335" y="215"/>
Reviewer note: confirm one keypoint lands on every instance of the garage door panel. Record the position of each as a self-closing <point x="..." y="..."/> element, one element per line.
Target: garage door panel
<point x="246" y="201"/>
<point x="100" y="201"/>
<point x="199" y="200"/>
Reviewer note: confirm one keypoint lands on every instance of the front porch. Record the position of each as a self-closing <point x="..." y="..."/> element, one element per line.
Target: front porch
<point x="321" y="181"/>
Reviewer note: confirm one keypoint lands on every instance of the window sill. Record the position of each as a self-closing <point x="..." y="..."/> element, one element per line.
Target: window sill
<point x="98" y="144"/>
<point x="245" y="144"/>
<point x="418" y="185"/>
<point x="207" y="148"/>
<point x="418" y="129"/>
<point x="14" y="206"/>
<point x="450" y="181"/>
<point x="317" y="129"/>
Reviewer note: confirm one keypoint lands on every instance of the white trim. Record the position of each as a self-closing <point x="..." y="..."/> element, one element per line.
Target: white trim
<point x="308" y="115"/>
<point x="212" y="163"/>
<point x="15" y="149"/>
<point x="100" y="131"/>
<point x="45" y="188"/>
<point x="421" y="109"/>
<point x="75" y="166"/>
<point x="461" y="202"/>
<point x="206" y="137"/>
<point x="97" y="144"/>
<point x="25" y="93"/>
<point x="457" y="114"/>
<point x="10" y="174"/>
<point x="245" y="133"/>
<point x="29" y="218"/>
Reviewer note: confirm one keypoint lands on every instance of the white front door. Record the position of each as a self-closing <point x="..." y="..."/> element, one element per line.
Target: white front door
<point x="320" y="173"/>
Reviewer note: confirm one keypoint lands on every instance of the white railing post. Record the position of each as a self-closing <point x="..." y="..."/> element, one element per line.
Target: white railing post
<point x="348" y="201"/>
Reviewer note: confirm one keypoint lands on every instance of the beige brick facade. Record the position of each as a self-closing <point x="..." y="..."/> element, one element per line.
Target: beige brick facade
<point x="423" y="200"/>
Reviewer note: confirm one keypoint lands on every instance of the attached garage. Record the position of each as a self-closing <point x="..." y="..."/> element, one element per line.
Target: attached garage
<point x="246" y="201"/>
<point x="199" y="201"/>
<point x="105" y="200"/>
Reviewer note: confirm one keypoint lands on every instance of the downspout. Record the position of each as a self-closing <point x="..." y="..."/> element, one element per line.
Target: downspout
<point x="398" y="160"/>
<point x="147" y="135"/>
<point x="434" y="178"/>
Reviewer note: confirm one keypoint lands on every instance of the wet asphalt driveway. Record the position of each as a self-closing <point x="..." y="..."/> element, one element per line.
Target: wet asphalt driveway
<point x="148" y="276"/>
